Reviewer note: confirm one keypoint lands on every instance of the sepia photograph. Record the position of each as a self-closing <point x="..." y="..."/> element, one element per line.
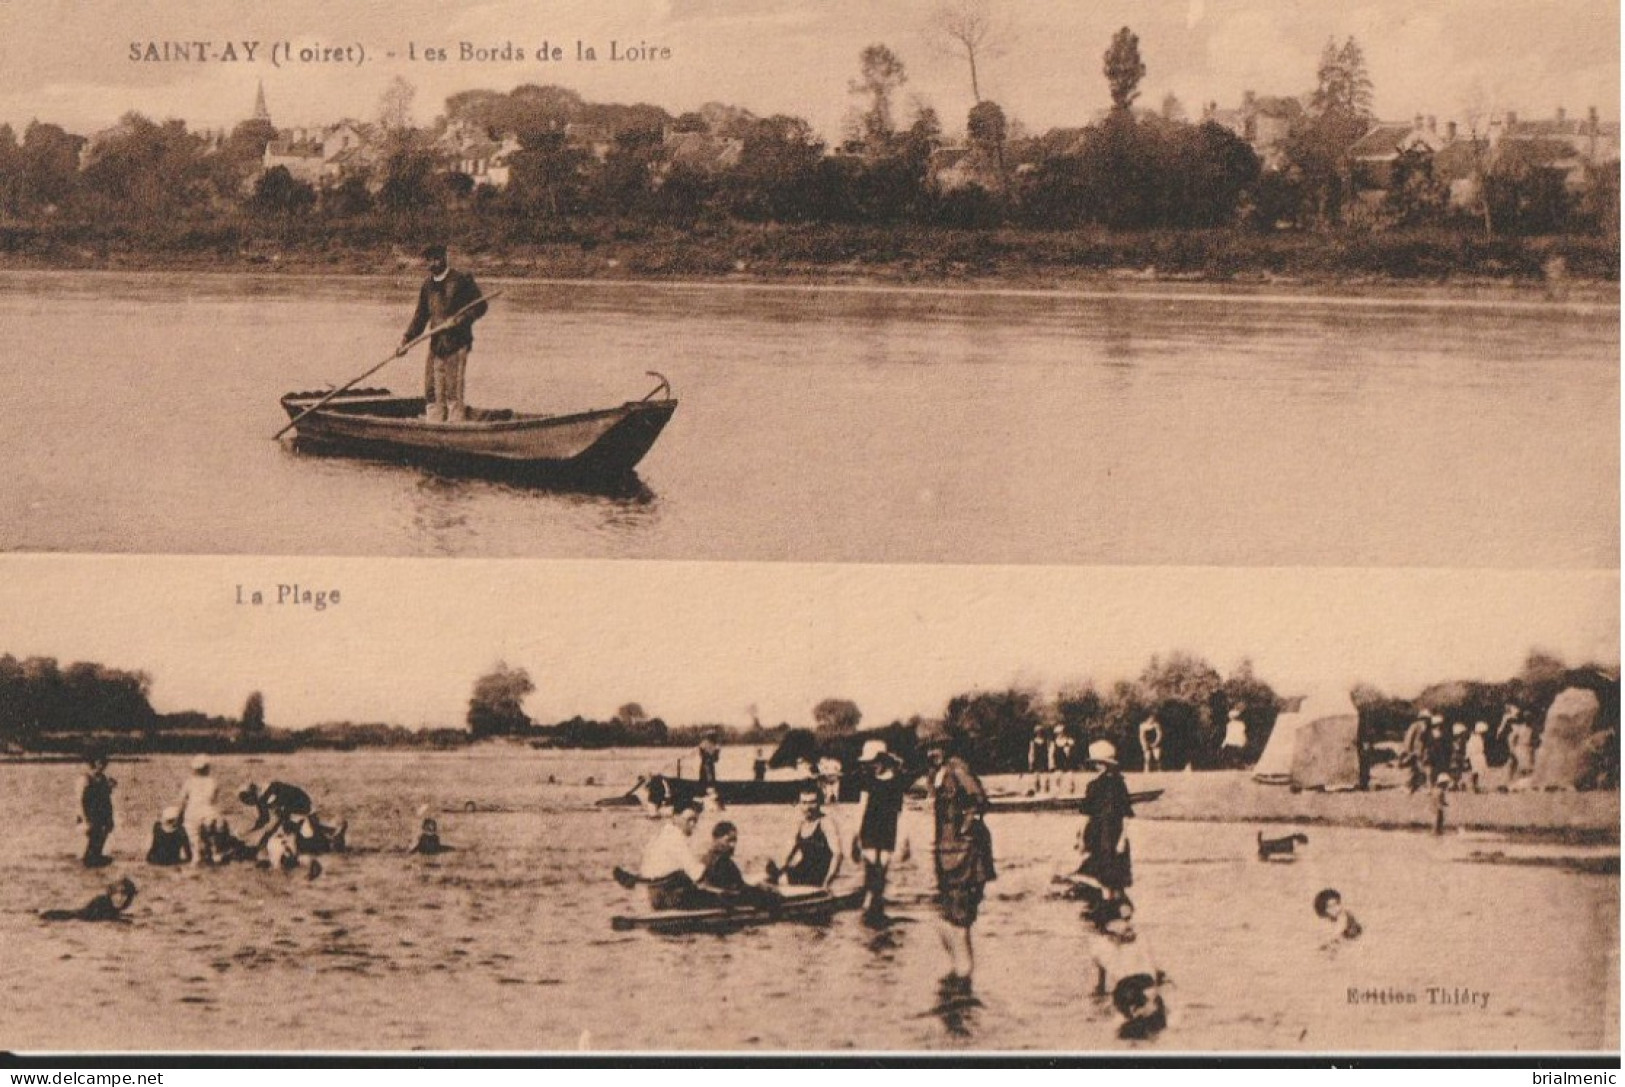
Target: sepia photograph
<point x="521" y="806"/>
<point x="770" y="529"/>
<point x="966" y="281"/>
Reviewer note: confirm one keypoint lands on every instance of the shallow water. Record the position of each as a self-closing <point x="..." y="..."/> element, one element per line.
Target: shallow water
<point x="506" y="942"/>
<point x="1221" y="427"/>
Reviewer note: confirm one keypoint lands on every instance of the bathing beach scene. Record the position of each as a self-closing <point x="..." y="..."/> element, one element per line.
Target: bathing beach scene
<point x="946" y="527"/>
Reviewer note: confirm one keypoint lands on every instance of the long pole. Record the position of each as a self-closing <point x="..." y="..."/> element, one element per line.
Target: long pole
<point x="399" y="351"/>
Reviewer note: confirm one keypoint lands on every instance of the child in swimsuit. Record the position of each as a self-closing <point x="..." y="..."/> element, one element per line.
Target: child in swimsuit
<point x="109" y="906"/>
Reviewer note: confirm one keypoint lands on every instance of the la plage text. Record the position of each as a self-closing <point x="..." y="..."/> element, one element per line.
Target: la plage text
<point x="291" y="595"/>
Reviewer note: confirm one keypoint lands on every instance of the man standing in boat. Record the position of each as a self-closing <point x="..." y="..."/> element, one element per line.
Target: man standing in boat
<point x="445" y="292"/>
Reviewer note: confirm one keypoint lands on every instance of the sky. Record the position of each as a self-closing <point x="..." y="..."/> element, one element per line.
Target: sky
<point x="707" y="642"/>
<point x="67" y="61"/>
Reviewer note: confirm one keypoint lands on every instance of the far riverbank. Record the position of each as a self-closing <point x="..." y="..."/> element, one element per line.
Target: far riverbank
<point x="1580" y="269"/>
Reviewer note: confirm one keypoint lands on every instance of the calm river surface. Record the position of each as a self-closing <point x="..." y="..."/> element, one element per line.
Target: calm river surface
<point x="1119" y="426"/>
<point x="506" y="943"/>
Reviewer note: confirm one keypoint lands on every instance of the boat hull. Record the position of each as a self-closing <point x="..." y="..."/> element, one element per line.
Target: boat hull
<point x="1071" y="803"/>
<point x="742" y="793"/>
<point x="605" y="444"/>
<point x="806" y="909"/>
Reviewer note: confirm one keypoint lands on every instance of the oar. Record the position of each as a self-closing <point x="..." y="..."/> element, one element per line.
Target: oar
<point x="399" y="351"/>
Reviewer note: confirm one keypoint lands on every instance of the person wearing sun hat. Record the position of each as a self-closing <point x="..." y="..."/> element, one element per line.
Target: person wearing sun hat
<point x="963" y="850"/>
<point x="1106" y="805"/>
<point x="879" y="809"/>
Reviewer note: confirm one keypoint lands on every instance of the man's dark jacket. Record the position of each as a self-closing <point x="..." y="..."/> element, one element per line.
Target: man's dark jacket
<point x="438" y="301"/>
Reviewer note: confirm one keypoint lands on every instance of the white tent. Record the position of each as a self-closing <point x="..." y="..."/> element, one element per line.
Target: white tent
<point x="1315" y="747"/>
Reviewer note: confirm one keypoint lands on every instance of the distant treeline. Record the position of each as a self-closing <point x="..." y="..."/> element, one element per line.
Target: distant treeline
<point x="1123" y="192"/>
<point x="48" y="708"/>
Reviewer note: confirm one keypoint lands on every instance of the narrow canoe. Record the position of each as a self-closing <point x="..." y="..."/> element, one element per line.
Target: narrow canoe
<point x="1068" y="803"/>
<point x="742" y="793"/>
<point x="811" y="907"/>
<point x="605" y="444"/>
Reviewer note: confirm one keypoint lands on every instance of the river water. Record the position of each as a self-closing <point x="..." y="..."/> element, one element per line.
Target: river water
<point x="1119" y="426"/>
<point x="506" y="943"/>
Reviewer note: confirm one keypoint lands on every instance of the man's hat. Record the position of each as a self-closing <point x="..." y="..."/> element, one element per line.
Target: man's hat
<point x="872" y="750"/>
<point x="434" y="252"/>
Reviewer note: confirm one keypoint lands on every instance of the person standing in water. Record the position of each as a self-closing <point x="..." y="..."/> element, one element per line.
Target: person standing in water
<point x="1106" y="803"/>
<point x="879" y="809"/>
<point x="445" y="293"/>
<point x="963" y="853"/>
<point x="96" y="810"/>
<point x="199" y="805"/>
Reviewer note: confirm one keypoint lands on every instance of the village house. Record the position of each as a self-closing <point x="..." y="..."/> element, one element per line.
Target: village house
<point x="470" y="150"/>
<point x="326" y="157"/>
<point x="1263" y="121"/>
<point x="1576" y="147"/>
<point x="1373" y="157"/>
<point x="595" y="139"/>
<point x="954" y="168"/>
<point x="700" y="152"/>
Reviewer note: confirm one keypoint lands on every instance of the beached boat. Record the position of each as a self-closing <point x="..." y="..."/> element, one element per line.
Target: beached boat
<point x="809" y="907"/>
<point x="669" y="790"/>
<point x="601" y="445"/>
<point x="1050" y="802"/>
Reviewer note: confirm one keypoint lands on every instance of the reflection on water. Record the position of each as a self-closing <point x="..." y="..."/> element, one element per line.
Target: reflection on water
<point x="1218" y="426"/>
<point x="505" y="943"/>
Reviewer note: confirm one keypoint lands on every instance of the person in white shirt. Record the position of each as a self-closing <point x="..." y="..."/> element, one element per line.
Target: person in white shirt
<point x="669" y="867"/>
<point x="199" y="805"/>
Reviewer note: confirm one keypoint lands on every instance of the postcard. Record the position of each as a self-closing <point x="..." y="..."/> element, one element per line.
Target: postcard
<point x="952" y="526"/>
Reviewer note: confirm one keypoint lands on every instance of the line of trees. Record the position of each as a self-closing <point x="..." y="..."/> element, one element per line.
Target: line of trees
<point x="1130" y="171"/>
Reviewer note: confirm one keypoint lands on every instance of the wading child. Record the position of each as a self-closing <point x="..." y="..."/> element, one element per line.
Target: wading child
<point x="1329" y="908"/>
<point x="170" y="845"/>
<point x="109" y="906"/>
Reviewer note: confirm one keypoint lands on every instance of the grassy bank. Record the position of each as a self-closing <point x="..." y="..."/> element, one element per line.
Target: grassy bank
<point x="1234" y="797"/>
<point x="835" y="253"/>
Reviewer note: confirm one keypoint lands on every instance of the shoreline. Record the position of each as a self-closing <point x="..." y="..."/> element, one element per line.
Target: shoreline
<point x="1580" y="298"/>
<point x="1351" y="269"/>
<point x="1228" y="796"/>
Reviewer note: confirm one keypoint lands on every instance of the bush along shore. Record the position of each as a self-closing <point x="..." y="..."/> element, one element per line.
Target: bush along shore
<point x="1558" y="265"/>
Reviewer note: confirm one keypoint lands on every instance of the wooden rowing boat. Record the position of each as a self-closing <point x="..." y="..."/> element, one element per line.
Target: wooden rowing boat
<point x="743" y="793"/>
<point x="592" y="445"/>
<point x="1068" y="803"/>
<point x="807" y="907"/>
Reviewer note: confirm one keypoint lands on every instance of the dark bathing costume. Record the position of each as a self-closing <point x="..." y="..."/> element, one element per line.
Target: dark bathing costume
<point x="812" y="858"/>
<point x="879" y="827"/>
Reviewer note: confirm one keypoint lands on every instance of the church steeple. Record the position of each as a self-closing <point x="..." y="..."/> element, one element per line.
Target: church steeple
<point x="261" y="113"/>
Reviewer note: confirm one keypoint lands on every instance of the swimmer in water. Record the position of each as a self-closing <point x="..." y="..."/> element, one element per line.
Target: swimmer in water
<point x="170" y="845"/>
<point x="429" y="842"/>
<point x="108" y="906"/>
<point x="1329" y="908"/>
